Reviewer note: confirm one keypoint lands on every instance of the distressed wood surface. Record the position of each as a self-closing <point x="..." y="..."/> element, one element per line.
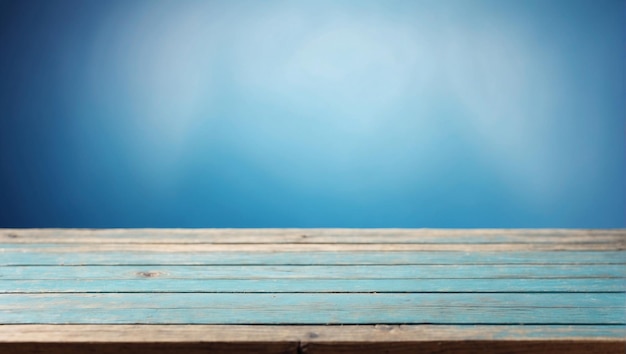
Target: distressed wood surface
<point x="304" y="333"/>
<point x="328" y="247"/>
<point x="149" y="282"/>
<point x="335" y="308"/>
<point x="25" y="256"/>
<point x="299" y="339"/>
<point x="277" y="291"/>
<point x="253" y="272"/>
<point x="329" y="236"/>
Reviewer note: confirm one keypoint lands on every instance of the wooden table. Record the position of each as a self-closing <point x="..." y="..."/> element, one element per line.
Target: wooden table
<point x="312" y="291"/>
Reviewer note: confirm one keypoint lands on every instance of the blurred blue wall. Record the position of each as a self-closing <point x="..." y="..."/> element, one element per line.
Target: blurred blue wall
<point x="312" y="113"/>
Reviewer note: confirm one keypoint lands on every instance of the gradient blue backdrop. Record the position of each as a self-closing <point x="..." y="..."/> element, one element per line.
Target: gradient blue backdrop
<point x="312" y="113"/>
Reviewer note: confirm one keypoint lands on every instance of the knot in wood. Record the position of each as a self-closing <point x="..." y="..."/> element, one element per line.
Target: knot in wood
<point x="386" y="328"/>
<point x="149" y="274"/>
<point x="312" y="335"/>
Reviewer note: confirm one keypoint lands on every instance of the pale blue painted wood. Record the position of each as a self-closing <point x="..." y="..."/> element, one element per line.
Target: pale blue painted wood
<point x="318" y="272"/>
<point x="561" y="287"/>
<point x="200" y="300"/>
<point x="306" y="315"/>
<point x="314" y="285"/>
<point x="562" y="308"/>
<point x="10" y="257"/>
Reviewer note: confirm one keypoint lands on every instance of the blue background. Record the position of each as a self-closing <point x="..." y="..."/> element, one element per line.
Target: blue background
<point x="312" y="113"/>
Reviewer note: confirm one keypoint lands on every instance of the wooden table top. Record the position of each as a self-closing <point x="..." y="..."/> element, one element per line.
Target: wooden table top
<point x="312" y="290"/>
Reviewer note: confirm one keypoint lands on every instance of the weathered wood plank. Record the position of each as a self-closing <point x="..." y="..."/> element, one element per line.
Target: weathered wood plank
<point x="332" y="236"/>
<point x="360" y="315"/>
<point x="153" y="348"/>
<point x="253" y="272"/>
<point x="390" y="301"/>
<point x="471" y="347"/>
<point x="355" y="308"/>
<point x="304" y="333"/>
<point x="70" y="256"/>
<point x="343" y="247"/>
<point x="154" y="284"/>
<point x="303" y="339"/>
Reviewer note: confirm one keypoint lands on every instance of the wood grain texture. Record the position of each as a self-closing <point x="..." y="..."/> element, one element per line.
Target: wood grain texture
<point x="303" y="333"/>
<point x="277" y="291"/>
<point x="151" y="283"/>
<point x="49" y="256"/>
<point x="152" y="348"/>
<point x="307" y="339"/>
<point x="313" y="308"/>
<point x="254" y="272"/>
<point x="328" y="247"/>
<point x="339" y="302"/>
<point x="312" y="236"/>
